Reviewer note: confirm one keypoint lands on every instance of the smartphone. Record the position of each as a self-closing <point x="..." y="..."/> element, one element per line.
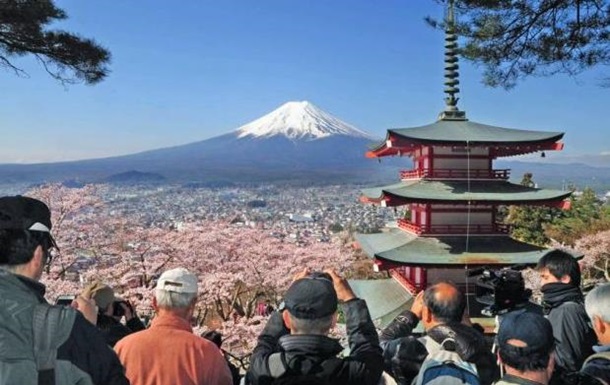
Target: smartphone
<point x="65" y="299"/>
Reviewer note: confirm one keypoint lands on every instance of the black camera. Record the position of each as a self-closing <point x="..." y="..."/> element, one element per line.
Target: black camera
<point x="65" y="299"/>
<point x="320" y="275"/>
<point x="117" y="309"/>
<point x="500" y="290"/>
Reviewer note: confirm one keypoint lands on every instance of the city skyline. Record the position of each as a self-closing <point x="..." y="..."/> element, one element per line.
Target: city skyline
<point x="189" y="73"/>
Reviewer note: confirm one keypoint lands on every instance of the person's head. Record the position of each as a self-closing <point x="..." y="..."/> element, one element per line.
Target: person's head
<point x="176" y="292"/>
<point x="102" y="294"/>
<point x="443" y="303"/>
<point x="526" y="343"/>
<point x="310" y="306"/>
<point x="597" y="304"/>
<point x="25" y="236"/>
<point x="559" y="266"/>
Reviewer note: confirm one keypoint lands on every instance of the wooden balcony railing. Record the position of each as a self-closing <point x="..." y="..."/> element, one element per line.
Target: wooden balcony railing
<point x="495" y="228"/>
<point x="447" y="173"/>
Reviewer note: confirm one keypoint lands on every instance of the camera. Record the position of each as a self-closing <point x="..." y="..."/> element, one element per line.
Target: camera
<point x="117" y="309"/>
<point x="500" y="290"/>
<point x="320" y="275"/>
<point x="65" y="299"/>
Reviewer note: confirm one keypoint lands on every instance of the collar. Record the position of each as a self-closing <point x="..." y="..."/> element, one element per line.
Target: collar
<point x="556" y="293"/>
<point x="38" y="288"/>
<point x="601" y="348"/>
<point x="171" y="321"/>
<point x="519" y="380"/>
<point x="309" y="344"/>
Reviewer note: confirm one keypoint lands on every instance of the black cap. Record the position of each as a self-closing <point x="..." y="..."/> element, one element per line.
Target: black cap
<point x="311" y="298"/>
<point x="529" y="329"/>
<point x="23" y="213"/>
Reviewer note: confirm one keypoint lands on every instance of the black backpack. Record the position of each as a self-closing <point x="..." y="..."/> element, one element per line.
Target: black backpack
<point x="283" y="374"/>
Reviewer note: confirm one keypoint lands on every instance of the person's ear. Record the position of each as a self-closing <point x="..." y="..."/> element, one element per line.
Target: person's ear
<point x="286" y="318"/>
<point x="599" y="325"/>
<point x="38" y="262"/>
<point x="550" y="368"/>
<point x="154" y="303"/>
<point x="565" y="279"/>
<point x="426" y="315"/>
<point x="334" y="321"/>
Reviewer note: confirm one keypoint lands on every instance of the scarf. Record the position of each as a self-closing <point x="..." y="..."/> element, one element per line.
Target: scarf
<point x="557" y="293"/>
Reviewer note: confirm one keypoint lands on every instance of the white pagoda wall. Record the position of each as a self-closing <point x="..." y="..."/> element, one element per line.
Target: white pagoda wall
<point x="460" y="218"/>
<point x="463" y="162"/>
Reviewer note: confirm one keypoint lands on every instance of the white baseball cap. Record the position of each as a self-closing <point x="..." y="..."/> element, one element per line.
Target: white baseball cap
<point x="178" y="280"/>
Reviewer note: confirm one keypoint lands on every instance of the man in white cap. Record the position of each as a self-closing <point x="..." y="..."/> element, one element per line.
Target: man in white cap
<point x="168" y="352"/>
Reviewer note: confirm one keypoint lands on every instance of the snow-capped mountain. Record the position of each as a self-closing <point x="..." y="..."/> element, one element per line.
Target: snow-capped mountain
<point x="299" y="121"/>
<point x="295" y="142"/>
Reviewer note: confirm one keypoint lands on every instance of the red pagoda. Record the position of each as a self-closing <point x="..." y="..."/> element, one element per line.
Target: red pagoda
<point x="452" y="194"/>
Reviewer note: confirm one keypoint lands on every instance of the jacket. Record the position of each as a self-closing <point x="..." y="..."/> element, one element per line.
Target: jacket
<point x="598" y="367"/>
<point x="317" y="354"/>
<point x="113" y="330"/>
<point x="404" y="354"/>
<point x="85" y="350"/>
<point x="574" y="335"/>
<point x="169" y="353"/>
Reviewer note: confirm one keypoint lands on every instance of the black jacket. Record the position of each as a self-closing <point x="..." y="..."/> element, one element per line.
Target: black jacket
<point x="85" y="346"/>
<point x="316" y="354"/>
<point x="598" y="368"/>
<point x="574" y="335"/>
<point x="404" y="354"/>
<point x="113" y="331"/>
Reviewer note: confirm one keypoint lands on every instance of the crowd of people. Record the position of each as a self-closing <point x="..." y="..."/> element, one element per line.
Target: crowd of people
<point x="565" y="341"/>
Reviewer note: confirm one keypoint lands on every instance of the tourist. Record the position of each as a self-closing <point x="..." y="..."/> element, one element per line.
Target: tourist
<point x="441" y="309"/>
<point x="110" y="312"/>
<point x="563" y="305"/>
<point x="525" y="348"/>
<point x="294" y="346"/>
<point x="168" y="352"/>
<point x="42" y="343"/>
<point x="597" y="305"/>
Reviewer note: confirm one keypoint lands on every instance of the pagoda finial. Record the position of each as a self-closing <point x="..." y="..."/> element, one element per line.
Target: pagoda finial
<point x="452" y="80"/>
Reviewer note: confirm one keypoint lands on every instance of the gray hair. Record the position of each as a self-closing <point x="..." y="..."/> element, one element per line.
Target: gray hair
<point x="318" y="326"/>
<point x="597" y="302"/>
<point x="172" y="300"/>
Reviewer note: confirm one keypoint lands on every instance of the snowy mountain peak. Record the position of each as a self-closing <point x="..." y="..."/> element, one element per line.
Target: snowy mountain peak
<point x="299" y="120"/>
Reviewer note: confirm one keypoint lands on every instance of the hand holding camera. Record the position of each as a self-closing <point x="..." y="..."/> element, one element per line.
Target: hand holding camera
<point x="343" y="289"/>
<point x="122" y="308"/>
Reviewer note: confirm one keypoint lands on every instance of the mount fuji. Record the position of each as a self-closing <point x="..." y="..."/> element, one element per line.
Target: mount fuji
<point x="296" y="142"/>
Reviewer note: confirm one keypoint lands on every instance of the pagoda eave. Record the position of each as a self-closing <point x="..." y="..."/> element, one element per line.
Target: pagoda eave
<point x="461" y="192"/>
<point x="396" y="247"/>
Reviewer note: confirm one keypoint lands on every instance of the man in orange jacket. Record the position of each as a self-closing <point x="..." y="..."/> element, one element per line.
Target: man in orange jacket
<point x="168" y="352"/>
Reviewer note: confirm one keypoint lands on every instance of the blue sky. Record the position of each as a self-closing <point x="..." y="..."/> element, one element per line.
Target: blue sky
<point x="189" y="70"/>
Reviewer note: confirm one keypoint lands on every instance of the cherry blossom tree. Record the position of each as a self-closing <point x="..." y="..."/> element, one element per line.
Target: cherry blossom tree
<point x="238" y="267"/>
<point x="596" y="247"/>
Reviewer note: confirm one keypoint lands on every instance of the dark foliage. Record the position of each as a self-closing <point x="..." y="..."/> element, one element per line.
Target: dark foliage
<point x="67" y="57"/>
<point x="514" y="39"/>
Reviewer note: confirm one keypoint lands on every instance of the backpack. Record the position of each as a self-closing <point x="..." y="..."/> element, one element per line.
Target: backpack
<point x="586" y="379"/>
<point x="284" y="375"/>
<point x="19" y="363"/>
<point x="445" y="366"/>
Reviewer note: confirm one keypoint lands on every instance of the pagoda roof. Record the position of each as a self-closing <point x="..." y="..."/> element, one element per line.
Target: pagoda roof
<point x="403" y="248"/>
<point x="385" y="298"/>
<point x="421" y="190"/>
<point x="465" y="132"/>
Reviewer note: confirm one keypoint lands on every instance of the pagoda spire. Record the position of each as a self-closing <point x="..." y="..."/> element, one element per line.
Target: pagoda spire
<point x="452" y="74"/>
